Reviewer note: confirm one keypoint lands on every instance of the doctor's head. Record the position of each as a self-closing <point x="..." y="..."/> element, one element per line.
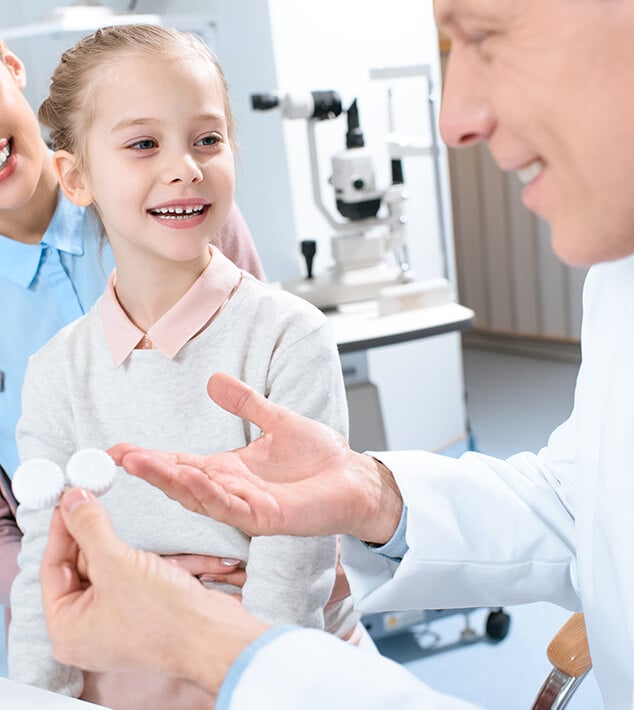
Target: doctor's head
<point x="22" y="150"/>
<point x="141" y="121"/>
<point x="547" y="85"/>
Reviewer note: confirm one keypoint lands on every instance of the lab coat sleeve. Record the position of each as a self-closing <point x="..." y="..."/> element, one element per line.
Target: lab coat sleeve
<point x="308" y="669"/>
<point x="480" y="532"/>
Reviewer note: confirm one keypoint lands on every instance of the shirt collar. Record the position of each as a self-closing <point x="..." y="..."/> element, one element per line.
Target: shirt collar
<point x="20" y="262"/>
<point x="202" y="302"/>
<point x="65" y="230"/>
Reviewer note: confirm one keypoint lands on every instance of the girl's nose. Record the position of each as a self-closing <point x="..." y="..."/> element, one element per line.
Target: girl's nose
<point x="184" y="168"/>
<point x="465" y="116"/>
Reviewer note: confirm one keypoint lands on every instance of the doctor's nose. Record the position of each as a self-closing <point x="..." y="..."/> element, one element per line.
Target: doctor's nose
<point x="183" y="168"/>
<point x="466" y="116"/>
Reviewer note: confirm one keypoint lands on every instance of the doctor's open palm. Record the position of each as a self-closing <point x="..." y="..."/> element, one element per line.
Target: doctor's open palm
<point x="299" y="477"/>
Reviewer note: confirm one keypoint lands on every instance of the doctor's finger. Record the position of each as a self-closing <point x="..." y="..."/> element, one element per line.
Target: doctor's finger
<point x="235" y="501"/>
<point x="87" y="522"/>
<point x="238" y="398"/>
<point x="165" y="475"/>
<point x="119" y="451"/>
<point x="58" y="572"/>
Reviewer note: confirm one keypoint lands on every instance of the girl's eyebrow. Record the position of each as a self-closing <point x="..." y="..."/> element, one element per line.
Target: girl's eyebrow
<point x="213" y="117"/>
<point x="132" y="122"/>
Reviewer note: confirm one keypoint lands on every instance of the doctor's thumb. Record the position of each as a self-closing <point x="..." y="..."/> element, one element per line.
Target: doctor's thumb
<point x="238" y="398"/>
<point x="87" y="521"/>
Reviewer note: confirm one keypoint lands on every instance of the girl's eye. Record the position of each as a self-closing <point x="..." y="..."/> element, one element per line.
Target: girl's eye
<point x="145" y="144"/>
<point x="209" y="140"/>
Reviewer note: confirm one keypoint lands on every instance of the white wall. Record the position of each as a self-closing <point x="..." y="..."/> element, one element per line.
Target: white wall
<point x="40" y="54"/>
<point x="333" y="45"/>
<point x="246" y="52"/>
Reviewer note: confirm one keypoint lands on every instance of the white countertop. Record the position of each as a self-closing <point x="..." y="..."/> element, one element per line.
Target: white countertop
<point x="16" y="696"/>
<point x="358" y="326"/>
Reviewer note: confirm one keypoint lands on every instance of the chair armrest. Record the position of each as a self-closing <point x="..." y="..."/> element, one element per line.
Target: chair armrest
<point x="570" y="655"/>
<point x="569" y="650"/>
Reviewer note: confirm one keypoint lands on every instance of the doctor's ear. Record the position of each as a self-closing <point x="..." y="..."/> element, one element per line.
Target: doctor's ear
<point x="71" y="178"/>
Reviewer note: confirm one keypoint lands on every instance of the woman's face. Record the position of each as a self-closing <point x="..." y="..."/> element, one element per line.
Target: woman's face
<point x="547" y="85"/>
<point x="22" y="152"/>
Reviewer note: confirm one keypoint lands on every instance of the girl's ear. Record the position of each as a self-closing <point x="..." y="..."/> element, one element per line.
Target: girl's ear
<point x="71" y="179"/>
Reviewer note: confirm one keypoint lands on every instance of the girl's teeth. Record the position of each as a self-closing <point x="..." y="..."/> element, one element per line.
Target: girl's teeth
<point x="177" y="212"/>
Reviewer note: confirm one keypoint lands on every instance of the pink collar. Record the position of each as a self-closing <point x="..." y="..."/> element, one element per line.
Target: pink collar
<point x="203" y="302"/>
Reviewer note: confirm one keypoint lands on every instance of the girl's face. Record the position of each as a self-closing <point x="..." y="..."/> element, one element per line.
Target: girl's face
<point x="159" y="163"/>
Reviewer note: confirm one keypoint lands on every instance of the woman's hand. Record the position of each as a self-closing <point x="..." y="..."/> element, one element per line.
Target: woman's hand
<point x="207" y="568"/>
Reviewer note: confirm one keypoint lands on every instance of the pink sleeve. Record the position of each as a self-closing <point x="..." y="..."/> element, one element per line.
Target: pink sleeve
<point x="235" y="242"/>
<point x="10" y="537"/>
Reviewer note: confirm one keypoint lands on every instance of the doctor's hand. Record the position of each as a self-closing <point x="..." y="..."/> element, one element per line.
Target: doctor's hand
<point x="299" y="477"/>
<point x="111" y="607"/>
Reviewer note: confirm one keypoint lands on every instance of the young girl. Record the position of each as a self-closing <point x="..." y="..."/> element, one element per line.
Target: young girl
<point x="51" y="269"/>
<point x="141" y="119"/>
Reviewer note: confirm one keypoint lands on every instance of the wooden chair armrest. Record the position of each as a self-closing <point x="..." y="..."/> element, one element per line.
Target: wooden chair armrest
<point x="569" y="650"/>
<point x="570" y="655"/>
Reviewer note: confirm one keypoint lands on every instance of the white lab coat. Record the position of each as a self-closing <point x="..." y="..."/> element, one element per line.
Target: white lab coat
<point x="557" y="526"/>
<point x="306" y="669"/>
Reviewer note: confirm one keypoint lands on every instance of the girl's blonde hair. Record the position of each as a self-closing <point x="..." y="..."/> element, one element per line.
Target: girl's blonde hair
<point x="69" y="109"/>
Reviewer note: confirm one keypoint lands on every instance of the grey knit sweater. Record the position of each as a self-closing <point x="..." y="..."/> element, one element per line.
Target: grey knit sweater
<point x="74" y="397"/>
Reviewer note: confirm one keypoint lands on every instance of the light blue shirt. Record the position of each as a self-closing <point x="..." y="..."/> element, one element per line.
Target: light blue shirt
<point x="396" y="547"/>
<point x="43" y="287"/>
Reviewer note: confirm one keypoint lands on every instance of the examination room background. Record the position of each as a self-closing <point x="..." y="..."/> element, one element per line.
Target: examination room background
<point x="291" y="45"/>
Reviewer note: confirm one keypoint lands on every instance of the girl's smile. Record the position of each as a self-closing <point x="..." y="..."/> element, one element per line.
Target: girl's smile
<point x="180" y="214"/>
